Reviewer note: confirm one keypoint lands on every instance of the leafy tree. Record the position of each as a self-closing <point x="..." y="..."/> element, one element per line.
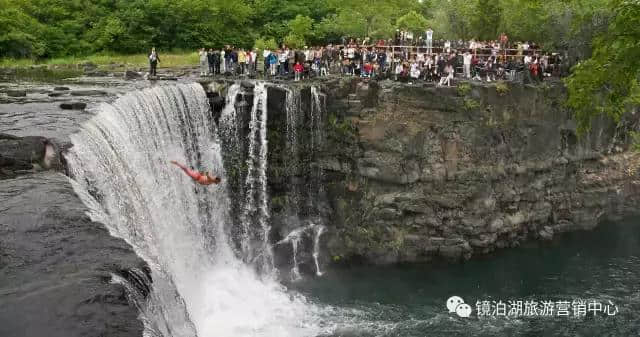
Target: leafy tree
<point x="294" y="41"/>
<point x="486" y="20"/>
<point x="452" y="19"/>
<point x="301" y="26"/>
<point x="413" y="22"/>
<point x="607" y="83"/>
<point x="368" y="18"/>
<point x="19" y="32"/>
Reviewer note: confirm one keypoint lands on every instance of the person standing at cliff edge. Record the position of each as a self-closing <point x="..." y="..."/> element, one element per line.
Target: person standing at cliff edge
<point x="153" y="62"/>
<point x="204" y="66"/>
<point x="429" y="41"/>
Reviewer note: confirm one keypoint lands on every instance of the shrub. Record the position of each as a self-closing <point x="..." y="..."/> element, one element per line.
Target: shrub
<point x="464" y="89"/>
<point x="471" y="104"/>
<point x="502" y="88"/>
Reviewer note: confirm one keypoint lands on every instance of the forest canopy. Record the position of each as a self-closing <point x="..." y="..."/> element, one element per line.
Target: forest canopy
<point x="599" y="36"/>
<point x="55" y="28"/>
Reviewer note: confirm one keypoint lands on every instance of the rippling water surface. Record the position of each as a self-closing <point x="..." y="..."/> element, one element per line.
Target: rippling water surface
<point x="603" y="266"/>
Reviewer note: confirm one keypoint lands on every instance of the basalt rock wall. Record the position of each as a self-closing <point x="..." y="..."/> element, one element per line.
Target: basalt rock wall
<point x="415" y="173"/>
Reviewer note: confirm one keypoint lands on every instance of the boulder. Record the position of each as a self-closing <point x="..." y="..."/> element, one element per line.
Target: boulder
<point x="56" y="94"/>
<point x="17" y="93"/>
<point x="132" y="75"/>
<point x="88" y="93"/>
<point x="61" y="89"/>
<point x="97" y="73"/>
<point x="20" y="153"/>
<point x="73" y="106"/>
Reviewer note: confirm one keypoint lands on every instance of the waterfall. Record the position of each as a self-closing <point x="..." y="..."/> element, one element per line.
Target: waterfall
<point x="294" y="238"/>
<point x="229" y="119"/>
<point x="120" y="168"/>
<point x="255" y="244"/>
<point x="293" y="160"/>
<point x="317" y="120"/>
<point x="316" y="248"/>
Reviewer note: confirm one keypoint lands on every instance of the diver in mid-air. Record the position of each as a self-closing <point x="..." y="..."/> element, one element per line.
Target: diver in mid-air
<point x="202" y="178"/>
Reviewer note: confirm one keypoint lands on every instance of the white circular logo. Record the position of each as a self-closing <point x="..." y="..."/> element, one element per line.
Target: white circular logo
<point x="463" y="310"/>
<point x="453" y="302"/>
<point x="456" y="304"/>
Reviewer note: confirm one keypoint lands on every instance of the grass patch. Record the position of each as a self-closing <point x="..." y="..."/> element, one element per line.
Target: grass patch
<point x="171" y="59"/>
<point x="502" y="88"/>
<point x="471" y="104"/>
<point x="464" y="89"/>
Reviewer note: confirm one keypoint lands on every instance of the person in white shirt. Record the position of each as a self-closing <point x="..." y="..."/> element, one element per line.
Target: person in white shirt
<point x="467" y="64"/>
<point x="283" y="61"/>
<point x="447" y="46"/>
<point x="409" y="36"/>
<point x="420" y="58"/>
<point x="415" y="70"/>
<point x="429" y="41"/>
<point x="204" y="65"/>
<point x="308" y="54"/>
<point x="351" y="52"/>
<point x="223" y="66"/>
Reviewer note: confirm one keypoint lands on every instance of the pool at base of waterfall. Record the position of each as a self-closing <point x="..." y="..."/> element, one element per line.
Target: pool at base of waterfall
<point x="581" y="284"/>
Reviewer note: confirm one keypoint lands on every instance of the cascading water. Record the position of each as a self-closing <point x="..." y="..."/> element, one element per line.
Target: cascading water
<point x="293" y="148"/>
<point x="255" y="244"/>
<point x="316" y="248"/>
<point x="120" y="165"/>
<point x="317" y="134"/>
<point x="295" y="238"/>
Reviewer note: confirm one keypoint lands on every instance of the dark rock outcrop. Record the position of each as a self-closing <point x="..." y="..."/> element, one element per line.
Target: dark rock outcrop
<point x="132" y="75"/>
<point x="18" y="154"/>
<point x="57" y="265"/>
<point x="415" y="173"/>
<point x="17" y="93"/>
<point x="88" y="93"/>
<point x="73" y="106"/>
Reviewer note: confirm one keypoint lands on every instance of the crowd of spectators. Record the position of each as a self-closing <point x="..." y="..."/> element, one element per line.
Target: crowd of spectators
<point x="401" y="59"/>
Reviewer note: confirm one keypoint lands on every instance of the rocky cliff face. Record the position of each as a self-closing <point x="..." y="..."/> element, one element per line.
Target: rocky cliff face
<point x="414" y="173"/>
<point x="62" y="274"/>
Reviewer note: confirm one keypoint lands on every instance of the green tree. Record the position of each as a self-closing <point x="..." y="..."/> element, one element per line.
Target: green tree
<point x="301" y="26"/>
<point x="486" y="19"/>
<point x="262" y="44"/>
<point x="294" y="41"/>
<point x="413" y="22"/>
<point x="368" y="18"/>
<point x="452" y="19"/>
<point x="19" y="32"/>
<point x="607" y="83"/>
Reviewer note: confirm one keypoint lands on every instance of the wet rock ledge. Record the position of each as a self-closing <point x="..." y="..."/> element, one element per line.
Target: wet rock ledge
<point x="56" y="264"/>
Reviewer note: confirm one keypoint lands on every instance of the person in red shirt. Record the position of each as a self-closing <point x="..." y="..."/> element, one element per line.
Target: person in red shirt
<point x="298" y="69"/>
<point x="368" y="70"/>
